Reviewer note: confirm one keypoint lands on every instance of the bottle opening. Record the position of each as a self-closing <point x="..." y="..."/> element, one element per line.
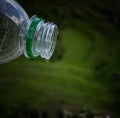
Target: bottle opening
<point x="49" y="40"/>
<point x="41" y="38"/>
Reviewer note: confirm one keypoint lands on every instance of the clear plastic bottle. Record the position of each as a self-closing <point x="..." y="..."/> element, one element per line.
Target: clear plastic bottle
<point x="19" y="34"/>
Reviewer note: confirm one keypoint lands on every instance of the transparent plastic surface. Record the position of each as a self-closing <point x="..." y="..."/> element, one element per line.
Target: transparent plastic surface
<point x="40" y="38"/>
<point x="45" y="39"/>
<point x="12" y="17"/>
<point x="21" y="35"/>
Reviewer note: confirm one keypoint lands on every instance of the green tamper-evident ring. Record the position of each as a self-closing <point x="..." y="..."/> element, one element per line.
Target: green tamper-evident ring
<point x="30" y="36"/>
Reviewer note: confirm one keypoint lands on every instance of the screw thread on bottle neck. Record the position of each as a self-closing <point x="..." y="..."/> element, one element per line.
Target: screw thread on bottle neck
<point x="40" y="39"/>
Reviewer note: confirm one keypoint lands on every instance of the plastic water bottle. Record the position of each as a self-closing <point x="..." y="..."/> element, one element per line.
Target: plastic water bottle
<point x="21" y="35"/>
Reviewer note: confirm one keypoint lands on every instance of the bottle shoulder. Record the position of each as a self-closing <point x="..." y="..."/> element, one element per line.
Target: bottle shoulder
<point x="12" y="17"/>
<point x="13" y="11"/>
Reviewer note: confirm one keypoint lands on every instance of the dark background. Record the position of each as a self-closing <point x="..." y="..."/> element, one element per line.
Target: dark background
<point x="83" y="76"/>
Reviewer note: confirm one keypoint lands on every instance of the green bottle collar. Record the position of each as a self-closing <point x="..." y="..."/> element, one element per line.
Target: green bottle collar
<point x="30" y="36"/>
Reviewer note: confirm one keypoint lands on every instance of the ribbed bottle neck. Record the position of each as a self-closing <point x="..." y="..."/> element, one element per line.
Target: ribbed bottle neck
<point x="40" y="38"/>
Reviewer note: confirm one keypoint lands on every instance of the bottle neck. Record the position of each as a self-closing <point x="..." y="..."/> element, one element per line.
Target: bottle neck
<point x="40" y="38"/>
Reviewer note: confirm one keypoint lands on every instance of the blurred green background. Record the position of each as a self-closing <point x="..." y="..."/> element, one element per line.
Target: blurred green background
<point x="84" y="72"/>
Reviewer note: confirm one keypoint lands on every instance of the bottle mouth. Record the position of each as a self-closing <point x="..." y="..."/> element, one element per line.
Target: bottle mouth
<point x="48" y="42"/>
<point x="41" y="39"/>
